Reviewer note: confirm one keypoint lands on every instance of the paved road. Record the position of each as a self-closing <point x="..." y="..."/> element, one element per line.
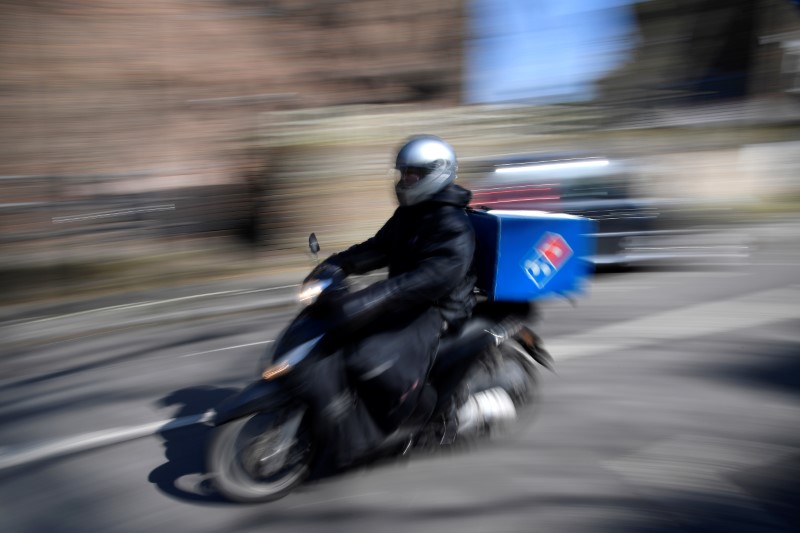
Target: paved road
<point x="675" y="408"/>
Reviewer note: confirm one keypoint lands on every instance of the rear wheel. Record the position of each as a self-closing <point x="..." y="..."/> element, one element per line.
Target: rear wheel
<point x="262" y="457"/>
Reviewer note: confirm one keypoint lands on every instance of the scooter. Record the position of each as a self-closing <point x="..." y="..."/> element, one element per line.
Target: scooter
<point x="262" y="446"/>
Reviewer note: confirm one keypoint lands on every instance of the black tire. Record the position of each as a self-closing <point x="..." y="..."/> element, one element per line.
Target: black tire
<point x="240" y="449"/>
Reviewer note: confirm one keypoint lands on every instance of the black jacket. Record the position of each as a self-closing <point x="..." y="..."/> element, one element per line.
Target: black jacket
<point x="429" y="250"/>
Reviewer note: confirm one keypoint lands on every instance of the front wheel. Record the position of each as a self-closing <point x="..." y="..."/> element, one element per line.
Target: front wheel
<point x="261" y="457"/>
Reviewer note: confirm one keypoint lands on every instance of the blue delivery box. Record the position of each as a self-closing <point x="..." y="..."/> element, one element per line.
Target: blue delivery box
<point x="529" y="255"/>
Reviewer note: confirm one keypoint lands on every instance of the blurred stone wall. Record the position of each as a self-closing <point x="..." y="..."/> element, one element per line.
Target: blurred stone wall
<point x="167" y="88"/>
<point x="123" y="106"/>
<point x="297" y="107"/>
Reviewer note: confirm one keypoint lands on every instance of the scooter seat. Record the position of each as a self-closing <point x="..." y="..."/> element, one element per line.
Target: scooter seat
<point x="455" y="348"/>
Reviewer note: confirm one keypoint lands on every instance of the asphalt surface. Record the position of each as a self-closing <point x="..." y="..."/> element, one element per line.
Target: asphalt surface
<point x="675" y="407"/>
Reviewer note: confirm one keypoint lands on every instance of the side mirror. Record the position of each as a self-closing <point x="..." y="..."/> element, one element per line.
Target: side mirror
<point x="313" y="244"/>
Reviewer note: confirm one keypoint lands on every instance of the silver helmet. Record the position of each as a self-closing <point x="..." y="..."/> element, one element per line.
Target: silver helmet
<point x="426" y="165"/>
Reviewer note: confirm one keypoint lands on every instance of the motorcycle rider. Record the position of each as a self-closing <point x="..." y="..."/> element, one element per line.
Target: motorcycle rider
<point x="395" y="324"/>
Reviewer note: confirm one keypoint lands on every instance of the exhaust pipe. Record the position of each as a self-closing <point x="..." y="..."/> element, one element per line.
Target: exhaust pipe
<point x="486" y="409"/>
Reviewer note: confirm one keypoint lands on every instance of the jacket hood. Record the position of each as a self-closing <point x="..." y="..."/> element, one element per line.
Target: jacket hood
<point x="452" y="195"/>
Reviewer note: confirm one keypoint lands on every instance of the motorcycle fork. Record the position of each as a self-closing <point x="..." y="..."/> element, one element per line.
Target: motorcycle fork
<point x="286" y="438"/>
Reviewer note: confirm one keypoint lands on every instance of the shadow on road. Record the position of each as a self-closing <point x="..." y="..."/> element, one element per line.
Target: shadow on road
<point x="184" y="476"/>
<point x="754" y="498"/>
<point x="774" y="365"/>
<point x="777" y="367"/>
<point x="762" y="499"/>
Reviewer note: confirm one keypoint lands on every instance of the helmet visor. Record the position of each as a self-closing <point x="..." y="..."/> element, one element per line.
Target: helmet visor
<point x="409" y="176"/>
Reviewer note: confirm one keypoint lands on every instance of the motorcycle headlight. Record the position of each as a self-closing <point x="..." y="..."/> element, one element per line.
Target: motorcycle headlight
<point x="311" y="291"/>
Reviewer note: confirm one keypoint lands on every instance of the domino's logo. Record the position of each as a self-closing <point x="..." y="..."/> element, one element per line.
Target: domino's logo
<point x="546" y="258"/>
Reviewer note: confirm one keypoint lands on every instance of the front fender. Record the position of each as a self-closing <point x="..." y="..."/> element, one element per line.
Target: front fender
<point x="258" y="396"/>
